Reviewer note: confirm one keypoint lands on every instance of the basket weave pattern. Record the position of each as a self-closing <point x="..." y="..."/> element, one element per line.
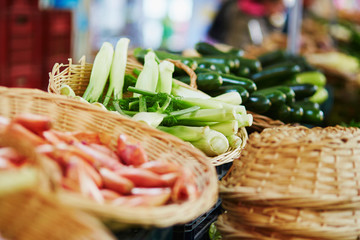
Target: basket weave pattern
<point x="295" y="183"/>
<point x="77" y="76"/>
<point x="71" y="115"/>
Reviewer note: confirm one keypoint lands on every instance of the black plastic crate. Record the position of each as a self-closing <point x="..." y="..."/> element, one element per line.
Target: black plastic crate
<point x="144" y="234"/>
<point x="199" y="228"/>
<point x="223" y="169"/>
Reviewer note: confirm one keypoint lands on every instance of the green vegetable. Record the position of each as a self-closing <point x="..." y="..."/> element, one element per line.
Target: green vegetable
<point x="273" y="76"/>
<point x="117" y="72"/>
<point x="67" y="90"/>
<point x="269" y="58"/>
<point x="99" y="73"/>
<point x="227" y="128"/>
<point x="229" y="89"/>
<point x="219" y="68"/>
<point x="311" y="112"/>
<point x="303" y="90"/>
<point x="254" y="65"/>
<point x="244" y="120"/>
<point x="232" y="97"/>
<point x="212" y="144"/>
<point x="258" y="103"/>
<point x="206" y="81"/>
<point x="214" y="234"/>
<point x="234" y="141"/>
<point x="208" y="115"/>
<point x="153" y="119"/>
<point x="320" y="96"/>
<point x="275" y="96"/>
<point x="314" y="77"/>
<point x="242" y="71"/>
<point x="246" y="83"/>
<point x="148" y="77"/>
<point x="208" y="49"/>
<point x="186" y="133"/>
<point x="166" y="70"/>
<point x="181" y="91"/>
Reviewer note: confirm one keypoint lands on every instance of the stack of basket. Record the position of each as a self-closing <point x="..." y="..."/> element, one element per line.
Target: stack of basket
<point x="294" y="183"/>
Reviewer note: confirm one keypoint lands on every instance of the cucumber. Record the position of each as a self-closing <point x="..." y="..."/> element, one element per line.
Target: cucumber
<point x="320" y="96"/>
<point x="242" y="71"/>
<point x="274" y="75"/>
<point x="272" y="57"/>
<point x="206" y="81"/>
<point x="231" y="88"/>
<point x="248" y="84"/>
<point x="312" y="114"/>
<point x="254" y="65"/>
<point x="231" y="62"/>
<point x="220" y="68"/>
<point x="290" y="94"/>
<point x="314" y="77"/>
<point x="296" y="114"/>
<point x="275" y="96"/>
<point x="207" y="49"/>
<point x="257" y="103"/>
<point x="303" y="90"/>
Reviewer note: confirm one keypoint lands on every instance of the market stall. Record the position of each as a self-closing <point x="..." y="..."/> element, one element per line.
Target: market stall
<point x="217" y="140"/>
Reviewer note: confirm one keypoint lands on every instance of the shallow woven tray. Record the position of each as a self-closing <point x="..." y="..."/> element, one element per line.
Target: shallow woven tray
<point x="231" y="230"/>
<point x="77" y="77"/>
<point x="71" y="115"/>
<point x="322" y="224"/>
<point x="298" y="167"/>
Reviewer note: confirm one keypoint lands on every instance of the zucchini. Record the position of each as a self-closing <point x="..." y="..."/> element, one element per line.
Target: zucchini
<point x="242" y="71"/>
<point x="275" y="96"/>
<point x="311" y="112"/>
<point x="220" y="68"/>
<point x="320" y="96"/>
<point x="303" y="90"/>
<point x="231" y="62"/>
<point x="273" y="76"/>
<point x="207" y="49"/>
<point x="290" y="94"/>
<point x="272" y="57"/>
<point x="257" y="103"/>
<point x="231" y="88"/>
<point x="206" y="81"/>
<point x="314" y="77"/>
<point x="254" y="65"/>
<point x="296" y="114"/>
<point x="248" y="84"/>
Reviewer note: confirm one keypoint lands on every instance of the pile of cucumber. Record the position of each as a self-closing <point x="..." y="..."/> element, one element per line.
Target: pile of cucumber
<point x="276" y="84"/>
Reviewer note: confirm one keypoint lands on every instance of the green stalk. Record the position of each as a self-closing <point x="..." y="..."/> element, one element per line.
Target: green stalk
<point x="208" y="115"/>
<point x="166" y="70"/>
<point x="153" y="119"/>
<point x="148" y="77"/>
<point x="142" y="104"/>
<point x="202" y="103"/>
<point x="117" y="72"/>
<point x="234" y="141"/>
<point x="186" y="133"/>
<point x="99" y="73"/>
<point x="244" y="120"/>
<point x="214" y="143"/>
<point x="67" y="90"/>
<point x="230" y="97"/>
<point x="181" y="91"/>
<point x="227" y="128"/>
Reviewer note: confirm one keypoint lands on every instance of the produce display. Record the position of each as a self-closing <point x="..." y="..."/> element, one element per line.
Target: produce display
<point x="214" y="125"/>
<point x="89" y="166"/>
<point x="276" y="84"/>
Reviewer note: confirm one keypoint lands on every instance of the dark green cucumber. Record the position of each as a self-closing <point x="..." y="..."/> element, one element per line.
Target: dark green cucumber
<point x="272" y="57"/>
<point x="275" y="96"/>
<point x="257" y="103"/>
<point x="220" y="68"/>
<point x="206" y="81"/>
<point x="312" y="114"/>
<point x="306" y="104"/>
<point x="254" y="65"/>
<point x="231" y="62"/>
<point x="248" y="84"/>
<point x="275" y="75"/>
<point x="303" y="90"/>
<point x="296" y="114"/>
<point x="207" y="49"/>
<point x="231" y="88"/>
<point x="290" y="94"/>
<point x="242" y="71"/>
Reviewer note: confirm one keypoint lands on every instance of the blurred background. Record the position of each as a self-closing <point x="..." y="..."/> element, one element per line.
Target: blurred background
<point x="36" y="34"/>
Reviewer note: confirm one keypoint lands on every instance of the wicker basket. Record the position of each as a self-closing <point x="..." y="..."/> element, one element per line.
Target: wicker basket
<point x="30" y="211"/>
<point x="70" y="115"/>
<point x="298" y="167"/>
<point x="77" y="77"/>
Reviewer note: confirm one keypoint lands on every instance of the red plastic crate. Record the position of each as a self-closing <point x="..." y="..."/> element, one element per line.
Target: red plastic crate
<point x="57" y="22"/>
<point x="27" y="76"/>
<point x="7" y="4"/>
